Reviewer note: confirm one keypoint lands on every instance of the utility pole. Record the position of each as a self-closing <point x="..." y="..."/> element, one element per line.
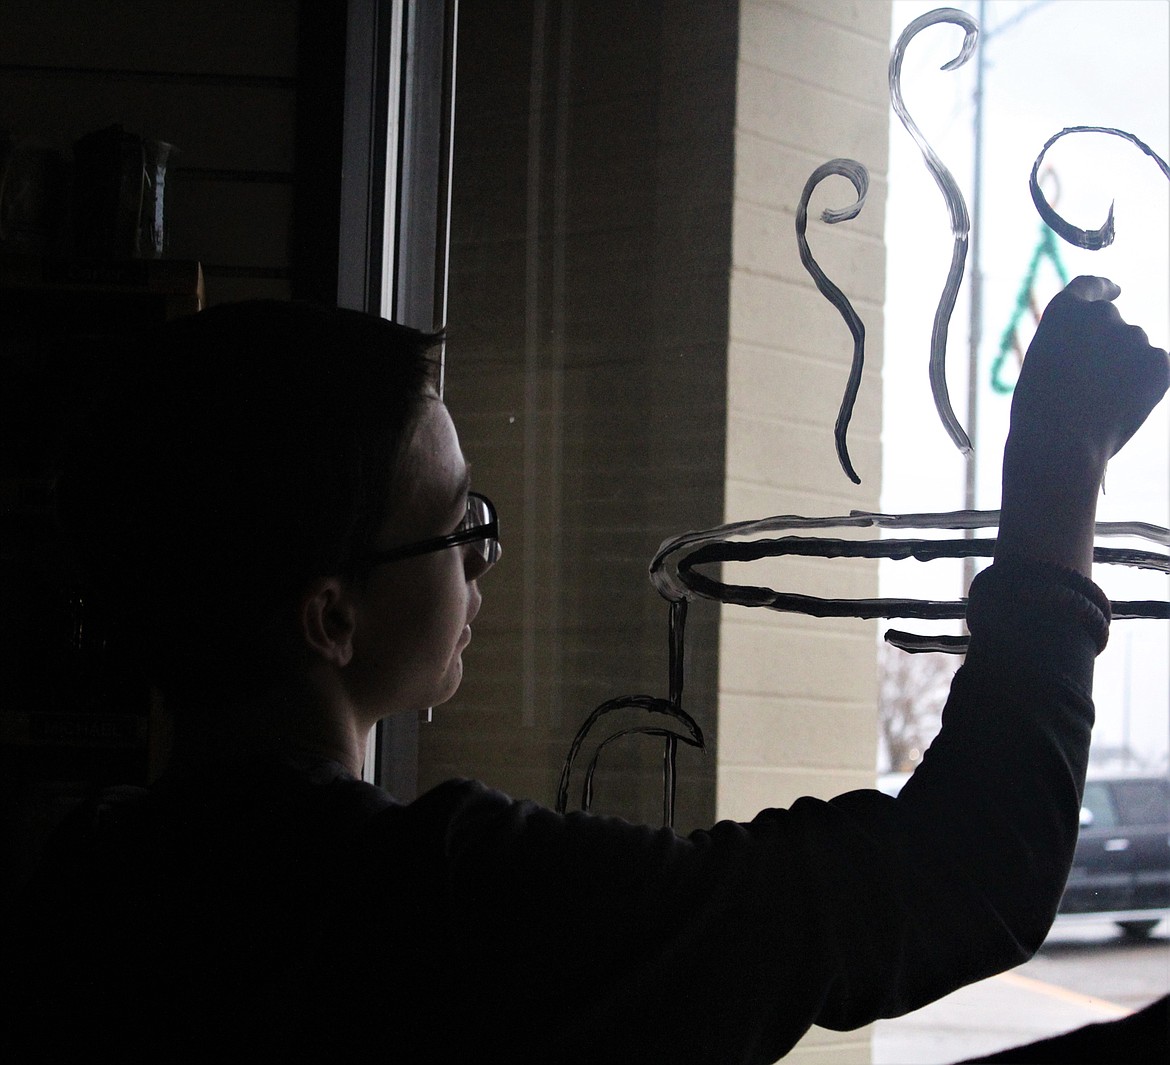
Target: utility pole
<point x="975" y="328"/>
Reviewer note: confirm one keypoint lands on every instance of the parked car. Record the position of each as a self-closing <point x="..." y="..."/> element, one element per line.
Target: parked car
<point x="1121" y="868"/>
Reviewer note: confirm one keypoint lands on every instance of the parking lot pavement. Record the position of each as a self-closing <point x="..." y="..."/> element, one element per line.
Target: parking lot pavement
<point x="1045" y="997"/>
<point x="1005" y="1011"/>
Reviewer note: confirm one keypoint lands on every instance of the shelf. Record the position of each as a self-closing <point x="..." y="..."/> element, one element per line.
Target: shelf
<point x="164" y="277"/>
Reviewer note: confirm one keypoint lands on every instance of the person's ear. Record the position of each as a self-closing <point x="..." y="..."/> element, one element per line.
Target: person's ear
<point x="328" y="619"/>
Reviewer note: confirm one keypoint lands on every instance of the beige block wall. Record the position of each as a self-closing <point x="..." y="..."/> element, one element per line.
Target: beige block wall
<point x="591" y="245"/>
<point x="798" y="695"/>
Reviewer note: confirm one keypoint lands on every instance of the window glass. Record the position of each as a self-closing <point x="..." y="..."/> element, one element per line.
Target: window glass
<point x="1099" y="803"/>
<point x="1143" y="802"/>
<point x="586" y="355"/>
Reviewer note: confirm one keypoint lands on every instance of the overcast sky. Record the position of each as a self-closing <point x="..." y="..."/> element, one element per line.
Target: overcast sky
<point x="1049" y="66"/>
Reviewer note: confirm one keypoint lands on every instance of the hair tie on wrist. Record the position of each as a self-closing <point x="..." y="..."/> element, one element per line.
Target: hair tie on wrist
<point x="1047" y="587"/>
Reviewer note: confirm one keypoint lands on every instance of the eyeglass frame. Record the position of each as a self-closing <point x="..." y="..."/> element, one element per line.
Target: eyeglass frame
<point x="489" y="531"/>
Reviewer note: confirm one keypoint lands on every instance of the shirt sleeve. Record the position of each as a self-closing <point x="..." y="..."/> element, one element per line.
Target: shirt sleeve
<point x="585" y="935"/>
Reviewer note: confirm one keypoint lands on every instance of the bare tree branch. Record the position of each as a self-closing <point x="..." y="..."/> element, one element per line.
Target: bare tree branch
<point x="913" y="689"/>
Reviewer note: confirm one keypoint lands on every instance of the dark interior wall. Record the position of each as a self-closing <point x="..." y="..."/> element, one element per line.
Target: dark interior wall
<point x="250" y="94"/>
<point x="218" y="79"/>
<point x="588" y="321"/>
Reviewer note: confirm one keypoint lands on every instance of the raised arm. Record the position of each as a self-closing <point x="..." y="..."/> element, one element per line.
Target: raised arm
<point x="998" y="792"/>
<point x="583" y="938"/>
<point x="1087" y="384"/>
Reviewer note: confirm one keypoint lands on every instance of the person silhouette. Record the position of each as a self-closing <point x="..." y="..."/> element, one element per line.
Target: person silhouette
<point x="275" y="513"/>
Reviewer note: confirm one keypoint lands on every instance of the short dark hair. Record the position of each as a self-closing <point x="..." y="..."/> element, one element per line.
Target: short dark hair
<point x="248" y="451"/>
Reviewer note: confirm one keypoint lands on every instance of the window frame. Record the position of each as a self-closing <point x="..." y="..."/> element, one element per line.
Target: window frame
<point x="394" y="229"/>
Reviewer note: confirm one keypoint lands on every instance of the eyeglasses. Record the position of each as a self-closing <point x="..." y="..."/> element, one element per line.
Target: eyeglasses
<point x="479" y="526"/>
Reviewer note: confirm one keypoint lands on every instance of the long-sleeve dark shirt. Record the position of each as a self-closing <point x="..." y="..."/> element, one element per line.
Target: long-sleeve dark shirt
<point x="285" y="911"/>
